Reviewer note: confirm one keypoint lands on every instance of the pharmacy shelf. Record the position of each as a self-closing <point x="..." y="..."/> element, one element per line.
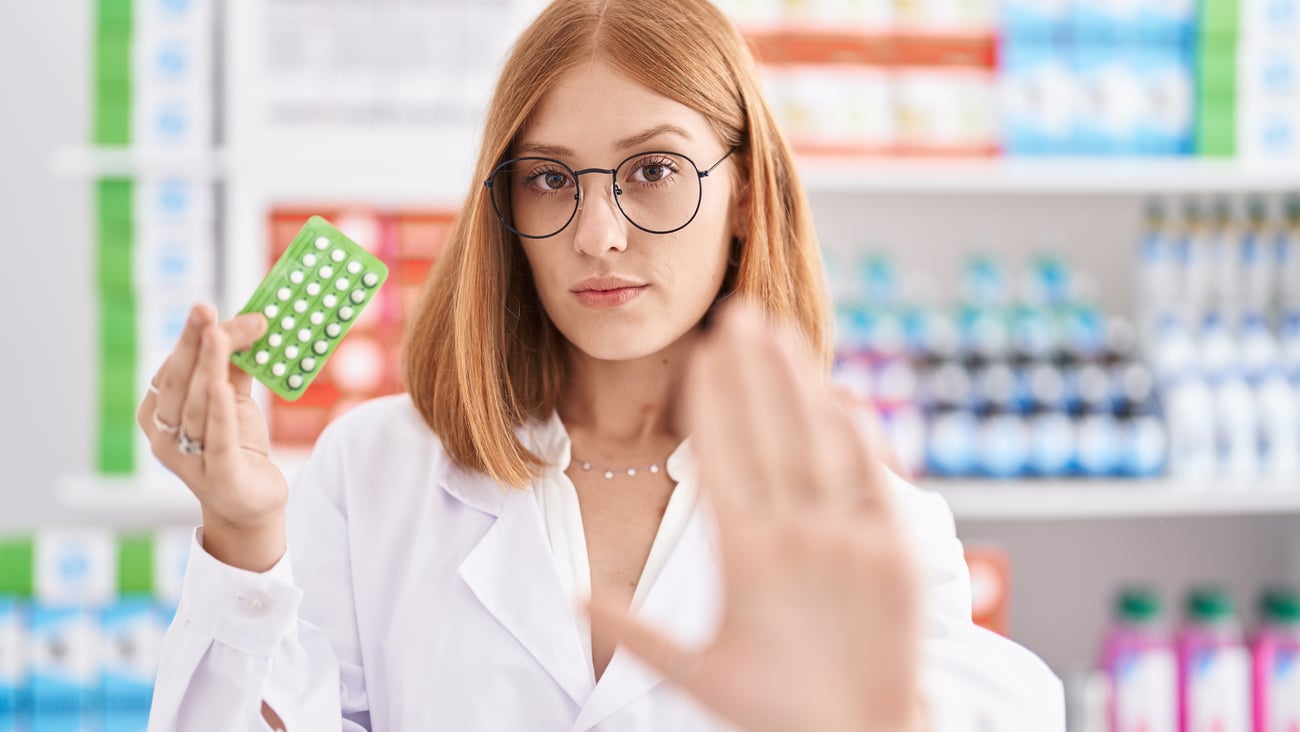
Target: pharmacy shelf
<point x="992" y="500"/>
<point x="421" y="171"/>
<point x="1046" y="176"/>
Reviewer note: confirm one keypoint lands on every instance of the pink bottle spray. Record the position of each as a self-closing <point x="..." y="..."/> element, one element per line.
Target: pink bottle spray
<point x="1139" y="661"/>
<point x="1277" y="662"/>
<point x="1213" y="666"/>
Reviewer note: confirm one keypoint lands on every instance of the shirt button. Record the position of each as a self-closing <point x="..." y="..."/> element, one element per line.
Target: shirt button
<point x="256" y="605"/>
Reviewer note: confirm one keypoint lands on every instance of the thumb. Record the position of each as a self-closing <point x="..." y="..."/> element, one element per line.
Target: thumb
<point x="675" y="663"/>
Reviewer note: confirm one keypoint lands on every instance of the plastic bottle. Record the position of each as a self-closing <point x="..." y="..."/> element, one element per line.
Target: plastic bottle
<point x="1277" y="662"/>
<point x="1213" y="666"/>
<point x="1139" y="660"/>
<point x="1145" y="440"/>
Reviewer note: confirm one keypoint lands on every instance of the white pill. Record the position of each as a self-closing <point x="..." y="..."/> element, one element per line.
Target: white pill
<point x="309" y="260"/>
<point x="291" y="352"/>
<point x="304" y="335"/>
<point x="283" y="293"/>
<point x="354" y="267"/>
<point x="342" y="283"/>
<point x="320" y="347"/>
<point x="296" y="277"/>
<point x="278" y="369"/>
<point x="330" y="300"/>
<point x="271" y="310"/>
<point x="262" y="357"/>
<point x="317" y="318"/>
<point x="332" y="330"/>
<point x="370" y="279"/>
<point x="308" y="363"/>
<point x="345" y="313"/>
<point x="295" y="381"/>
<point x="337" y="255"/>
<point x="300" y="306"/>
<point x="275" y="340"/>
<point x="358" y="296"/>
<point x="313" y="289"/>
<point x="287" y="323"/>
<point x="322" y="242"/>
<point x="326" y="272"/>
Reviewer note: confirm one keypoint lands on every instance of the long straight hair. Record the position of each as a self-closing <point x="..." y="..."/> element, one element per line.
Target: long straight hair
<point x="480" y="355"/>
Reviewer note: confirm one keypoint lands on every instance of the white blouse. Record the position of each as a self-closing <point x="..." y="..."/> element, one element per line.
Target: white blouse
<point x="419" y="596"/>
<point x="557" y="499"/>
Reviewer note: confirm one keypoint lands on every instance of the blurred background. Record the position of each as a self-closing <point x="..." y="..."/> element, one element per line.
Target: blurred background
<point x="1063" y="238"/>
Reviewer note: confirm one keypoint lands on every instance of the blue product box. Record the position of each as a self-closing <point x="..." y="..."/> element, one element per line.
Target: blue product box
<point x="64" y="653"/>
<point x="132" y="632"/>
<point x="1039" y="98"/>
<point x="1166" y="21"/>
<point x="1166" y="76"/>
<point x="13" y="665"/>
<point x="1035" y="20"/>
<point x="1111" y="99"/>
<point x="1104" y="21"/>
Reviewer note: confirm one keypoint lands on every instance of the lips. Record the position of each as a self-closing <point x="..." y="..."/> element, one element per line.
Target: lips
<point x="607" y="292"/>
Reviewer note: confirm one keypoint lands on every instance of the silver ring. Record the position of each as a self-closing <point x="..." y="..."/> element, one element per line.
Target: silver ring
<point x="188" y="446"/>
<point x="153" y="389"/>
<point x="162" y="426"/>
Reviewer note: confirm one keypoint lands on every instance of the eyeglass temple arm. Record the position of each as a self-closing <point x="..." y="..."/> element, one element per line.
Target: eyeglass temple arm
<point x="705" y="173"/>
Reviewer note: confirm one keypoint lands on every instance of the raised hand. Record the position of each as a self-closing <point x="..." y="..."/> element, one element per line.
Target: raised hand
<point x="820" y="626"/>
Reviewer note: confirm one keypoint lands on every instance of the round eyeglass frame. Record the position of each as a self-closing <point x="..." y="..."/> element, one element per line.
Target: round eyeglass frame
<point x="577" y="196"/>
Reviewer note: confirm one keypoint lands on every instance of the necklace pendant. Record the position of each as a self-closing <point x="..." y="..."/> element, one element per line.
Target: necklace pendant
<point x="586" y="467"/>
<point x="609" y="475"/>
<point x="654" y="468"/>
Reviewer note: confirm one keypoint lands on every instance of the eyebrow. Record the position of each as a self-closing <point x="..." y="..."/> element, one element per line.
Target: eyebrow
<point x="639" y="138"/>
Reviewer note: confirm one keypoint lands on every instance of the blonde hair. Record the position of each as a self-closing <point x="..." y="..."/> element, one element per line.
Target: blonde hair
<point x="480" y="355"/>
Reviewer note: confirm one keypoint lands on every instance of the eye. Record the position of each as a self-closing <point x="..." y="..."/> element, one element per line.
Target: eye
<point x="654" y="170"/>
<point x="546" y="180"/>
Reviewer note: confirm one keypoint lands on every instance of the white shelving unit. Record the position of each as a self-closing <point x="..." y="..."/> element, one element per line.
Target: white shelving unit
<point x="1084" y="499"/>
<point x="416" y="171"/>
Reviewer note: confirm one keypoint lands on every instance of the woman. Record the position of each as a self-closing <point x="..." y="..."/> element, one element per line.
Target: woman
<point x="432" y="565"/>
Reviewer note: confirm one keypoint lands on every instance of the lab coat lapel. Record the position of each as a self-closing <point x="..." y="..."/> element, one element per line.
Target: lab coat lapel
<point x="511" y="572"/>
<point x="684" y="603"/>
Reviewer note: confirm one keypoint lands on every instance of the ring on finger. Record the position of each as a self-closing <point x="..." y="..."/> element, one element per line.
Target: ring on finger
<point x="153" y="388"/>
<point x="163" y="427"/>
<point x="186" y="444"/>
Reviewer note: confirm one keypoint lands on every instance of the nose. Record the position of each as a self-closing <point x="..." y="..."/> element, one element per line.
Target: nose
<point x="599" y="226"/>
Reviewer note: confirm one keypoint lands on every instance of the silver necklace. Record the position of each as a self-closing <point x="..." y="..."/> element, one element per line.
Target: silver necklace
<point x="610" y="473"/>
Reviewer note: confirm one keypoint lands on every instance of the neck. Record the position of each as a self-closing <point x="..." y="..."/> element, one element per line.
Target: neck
<point x="625" y="406"/>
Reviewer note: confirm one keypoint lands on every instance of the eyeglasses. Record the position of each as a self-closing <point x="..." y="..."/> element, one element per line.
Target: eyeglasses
<point x="659" y="192"/>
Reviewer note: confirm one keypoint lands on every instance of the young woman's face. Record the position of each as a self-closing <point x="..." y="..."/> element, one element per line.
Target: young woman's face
<point x="617" y="292"/>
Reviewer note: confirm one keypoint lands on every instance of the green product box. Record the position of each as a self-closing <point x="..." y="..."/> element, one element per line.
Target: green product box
<point x="116" y="453"/>
<point x="17" y="567"/>
<point x="1216" y="66"/>
<point x="1216" y="129"/>
<point x="113" y="13"/>
<point x="135" y="564"/>
<point x="1217" y="17"/>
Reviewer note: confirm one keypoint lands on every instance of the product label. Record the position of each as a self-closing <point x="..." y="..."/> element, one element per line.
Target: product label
<point x="1146" y="693"/>
<point x="1219" y="691"/>
<point x="1284" y="691"/>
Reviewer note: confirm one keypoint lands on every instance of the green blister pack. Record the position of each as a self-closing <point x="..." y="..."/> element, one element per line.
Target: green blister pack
<point x="311" y="298"/>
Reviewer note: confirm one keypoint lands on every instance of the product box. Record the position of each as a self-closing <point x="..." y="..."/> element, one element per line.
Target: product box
<point x="13" y="663"/>
<point x="1040" y="21"/>
<point x="1268" y="130"/>
<point x="1270" y="17"/>
<point x="1111" y="98"/>
<point x="945" y="111"/>
<point x="64" y="648"/>
<point x="131" y="632"/>
<point x="75" y="567"/>
<point x="1105" y="21"/>
<point x="1164" y="74"/>
<point x="1268" y="68"/>
<point x="1039" y="99"/>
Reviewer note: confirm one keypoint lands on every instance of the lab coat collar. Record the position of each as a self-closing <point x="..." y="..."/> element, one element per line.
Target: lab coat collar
<point x="512" y="572"/>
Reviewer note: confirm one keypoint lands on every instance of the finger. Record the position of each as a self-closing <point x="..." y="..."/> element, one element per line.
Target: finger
<point x="243" y="331"/>
<point x="174" y="379"/>
<point x="675" y="663"/>
<point x="213" y="367"/>
<point x="879" y="442"/>
<point x="723" y="468"/>
<point x="861" y="457"/>
<point x="766" y="415"/>
<point x="221" y="434"/>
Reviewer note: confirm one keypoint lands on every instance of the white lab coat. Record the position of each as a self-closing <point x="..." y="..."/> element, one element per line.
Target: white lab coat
<point x="421" y="597"/>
